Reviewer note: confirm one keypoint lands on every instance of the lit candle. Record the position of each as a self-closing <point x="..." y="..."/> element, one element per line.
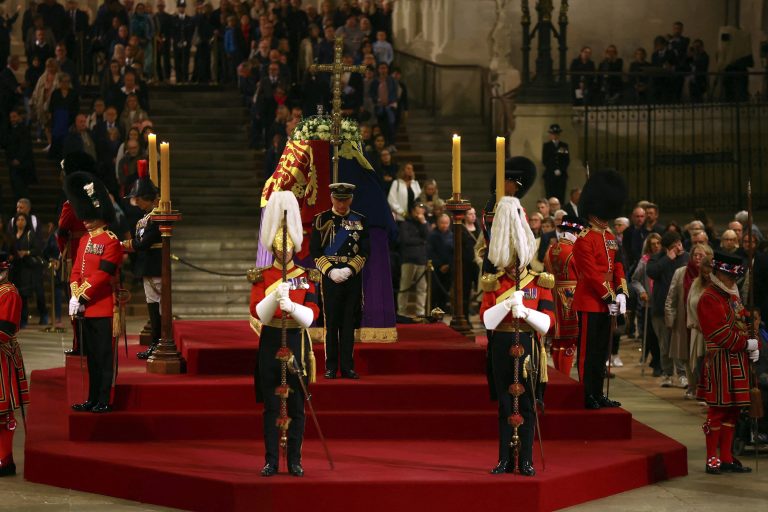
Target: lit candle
<point x="152" y="141"/>
<point x="165" y="177"/>
<point x="501" y="153"/>
<point x="456" y="164"/>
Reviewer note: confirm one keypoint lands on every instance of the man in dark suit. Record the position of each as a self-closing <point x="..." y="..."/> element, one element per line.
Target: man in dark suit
<point x="10" y="94"/>
<point x="265" y="104"/>
<point x="19" y="156"/>
<point x="556" y="158"/>
<point x="573" y="205"/>
<point x="183" y="30"/>
<point x="75" y="31"/>
<point x="165" y="23"/>
<point x="66" y="65"/>
<point x="80" y="138"/>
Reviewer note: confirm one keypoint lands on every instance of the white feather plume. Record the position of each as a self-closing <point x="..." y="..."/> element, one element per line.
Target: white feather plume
<point x="273" y="217"/>
<point x="511" y="236"/>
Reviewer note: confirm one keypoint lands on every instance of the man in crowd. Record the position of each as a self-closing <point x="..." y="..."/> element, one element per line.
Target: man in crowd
<point x="652" y="224"/>
<point x="340" y="247"/>
<point x="572" y="208"/>
<point x="183" y="31"/>
<point x="556" y="158"/>
<point x="414" y="232"/>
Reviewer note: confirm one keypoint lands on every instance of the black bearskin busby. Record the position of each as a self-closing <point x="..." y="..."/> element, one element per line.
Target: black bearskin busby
<point x="78" y="161"/>
<point x="603" y="195"/>
<point x="89" y="197"/>
<point x="519" y="169"/>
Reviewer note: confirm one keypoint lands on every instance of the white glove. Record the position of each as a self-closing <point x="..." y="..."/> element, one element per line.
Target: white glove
<point x="347" y="272"/>
<point x="752" y="345"/>
<point x="74" y="306"/>
<point x="754" y="355"/>
<point x="613" y="309"/>
<point x="516" y="299"/>
<point x="336" y="275"/>
<point x="519" y="311"/>
<point x="282" y="290"/>
<point x="621" y="301"/>
<point x="287" y="305"/>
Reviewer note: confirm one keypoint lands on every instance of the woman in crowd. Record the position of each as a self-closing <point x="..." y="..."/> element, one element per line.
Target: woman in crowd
<point x="111" y="83"/>
<point x="132" y="134"/>
<point x="470" y="268"/>
<point x="387" y="169"/>
<point x="41" y="97"/>
<point x="430" y="199"/>
<point x="27" y="267"/>
<point x="675" y="310"/>
<point x="141" y="28"/>
<point x="132" y="114"/>
<point x="643" y="285"/>
<point x="62" y="109"/>
<point x="698" y="345"/>
<point x="403" y="193"/>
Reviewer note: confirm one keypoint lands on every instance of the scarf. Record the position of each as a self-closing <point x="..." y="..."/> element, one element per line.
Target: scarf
<point x="691" y="273"/>
<point x="733" y="291"/>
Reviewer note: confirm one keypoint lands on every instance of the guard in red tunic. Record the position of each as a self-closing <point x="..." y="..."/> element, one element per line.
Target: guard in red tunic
<point x="559" y="261"/>
<point x="271" y="299"/>
<point x="93" y="283"/>
<point x="724" y="381"/>
<point x="601" y="288"/>
<point x="14" y="388"/>
<point x="515" y="312"/>
<point x="71" y="229"/>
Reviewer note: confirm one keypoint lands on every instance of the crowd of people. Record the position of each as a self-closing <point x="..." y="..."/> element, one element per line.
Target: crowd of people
<point x="676" y="70"/>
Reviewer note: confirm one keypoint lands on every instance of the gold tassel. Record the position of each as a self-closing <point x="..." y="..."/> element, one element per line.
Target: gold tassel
<point x="543" y="375"/>
<point x="311" y="361"/>
<point x="117" y="322"/>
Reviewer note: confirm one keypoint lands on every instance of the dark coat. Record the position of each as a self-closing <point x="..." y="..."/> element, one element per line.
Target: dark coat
<point x="413" y="242"/>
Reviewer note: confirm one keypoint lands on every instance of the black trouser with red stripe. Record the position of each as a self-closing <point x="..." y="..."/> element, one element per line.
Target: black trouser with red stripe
<point x="594" y="330"/>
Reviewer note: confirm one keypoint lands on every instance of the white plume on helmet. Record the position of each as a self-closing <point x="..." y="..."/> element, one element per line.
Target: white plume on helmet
<point x="511" y="236"/>
<point x="273" y="218"/>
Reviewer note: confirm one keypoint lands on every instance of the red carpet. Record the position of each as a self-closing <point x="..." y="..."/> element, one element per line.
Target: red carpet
<point x="418" y="431"/>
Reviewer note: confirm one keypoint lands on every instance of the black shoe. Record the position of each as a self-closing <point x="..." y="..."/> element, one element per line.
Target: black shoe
<point x="147" y="353"/>
<point x="526" y="469"/>
<point x="590" y="402"/>
<point x="72" y="352"/>
<point x="296" y="469"/>
<point x="86" y="406"/>
<point x="502" y="467"/>
<point x="269" y="470"/>
<point x="330" y="374"/>
<point x="657" y="372"/>
<point x="101" y="408"/>
<point x="8" y="469"/>
<point x="350" y="374"/>
<point x="604" y="401"/>
<point x="734" y="467"/>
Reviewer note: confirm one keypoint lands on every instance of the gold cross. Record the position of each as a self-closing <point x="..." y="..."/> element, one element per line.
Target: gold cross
<point x="336" y="69"/>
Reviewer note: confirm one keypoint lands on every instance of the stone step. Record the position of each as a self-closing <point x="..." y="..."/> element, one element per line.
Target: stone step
<point x="205" y="121"/>
<point x="204" y="138"/>
<point x="225" y="114"/>
<point x="205" y="128"/>
<point x="224" y="285"/>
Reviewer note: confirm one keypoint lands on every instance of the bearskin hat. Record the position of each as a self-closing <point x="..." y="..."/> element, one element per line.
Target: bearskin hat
<point x="519" y="169"/>
<point x="603" y="195"/>
<point x="89" y="197"/>
<point x="78" y="161"/>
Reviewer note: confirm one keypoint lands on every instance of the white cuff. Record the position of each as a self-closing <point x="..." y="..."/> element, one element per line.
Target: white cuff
<point x="302" y="314"/>
<point x="266" y="308"/>
<point x="494" y="315"/>
<point x="538" y="320"/>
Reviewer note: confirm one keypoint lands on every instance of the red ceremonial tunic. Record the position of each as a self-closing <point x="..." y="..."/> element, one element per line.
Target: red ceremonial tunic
<point x="725" y="374"/>
<point x="14" y="388"/>
<point x="600" y="274"/>
<point x="95" y="272"/>
<point x="535" y="297"/>
<point x="560" y="262"/>
<point x="71" y="230"/>
<point x="266" y="282"/>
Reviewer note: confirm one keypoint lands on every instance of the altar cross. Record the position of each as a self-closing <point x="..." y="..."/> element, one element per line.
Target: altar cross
<point x="336" y="69"/>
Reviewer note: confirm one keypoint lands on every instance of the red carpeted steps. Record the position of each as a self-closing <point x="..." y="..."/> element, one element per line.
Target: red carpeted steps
<point x="417" y="431"/>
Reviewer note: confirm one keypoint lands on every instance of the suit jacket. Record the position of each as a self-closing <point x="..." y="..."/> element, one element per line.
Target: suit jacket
<point x="571" y="210"/>
<point x="20" y="148"/>
<point x="9" y="95"/>
<point x="182" y="31"/>
<point x="74" y="142"/>
<point x="555" y="157"/>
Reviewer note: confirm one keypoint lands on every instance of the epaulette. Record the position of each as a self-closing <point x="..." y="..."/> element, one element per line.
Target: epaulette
<point x="110" y="234"/>
<point x="490" y="282"/>
<point x="256" y="275"/>
<point x="584" y="232"/>
<point x="314" y="275"/>
<point x="546" y="280"/>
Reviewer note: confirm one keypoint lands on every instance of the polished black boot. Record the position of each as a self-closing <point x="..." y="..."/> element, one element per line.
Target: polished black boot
<point x="590" y="402"/>
<point x="604" y="401"/>
<point x="269" y="469"/>
<point x="295" y="469"/>
<point x="526" y="468"/>
<point x="83" y="407"/>
<point x="502" y="467"/>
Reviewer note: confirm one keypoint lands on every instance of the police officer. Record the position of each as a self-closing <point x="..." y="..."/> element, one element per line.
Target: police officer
<point x="556" y="158"/>
<point x="183" y="31"/>
<point x="340" y="248"/>
<point x="148" y="246"/>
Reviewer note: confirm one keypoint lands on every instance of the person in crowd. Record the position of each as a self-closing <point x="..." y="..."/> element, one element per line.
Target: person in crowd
<point x="132" y="86"/>
<point x="440" y="251"/>
<point x="382" y="48"/>
<point x="383" y="91"/>
<point x="542" y="206"/>
<point x="582" y="77"/>
<point x="402" y="97"/>
<point x="430" y="198"/>
<point x="414" y="231"/>
<point x="554" y="205"/>
<point x="386" y="169"/>
<point x="556" y="158"/>
<point x="111" y="82"/>
<point x="6" y="27"/>
<point x="470" y="267"/>
<point x="163" y="40"/>
<point x="572" y="208"/>
<point x="638" y="76"/>
<point x="132" y="114"/>
<point x="63" y="106"/>
<point x="634" y="237"/>
<point x="28" y="266"/>
<point x="534" y="221"/>
<point x="548" y="226"/>
<point x="652" y="219"/>
<point x="353" y="36"/>
<point x="404" y="192"/>
<point x="661" y="268"/>
<point x="697" y="343"/>
<point x="675" y="311"/>
<point x="80" y="138"/>
<point x="729" y="241"/>
<point x="611" y="84"/>
<point x="697" y="63"/>
<point x="96" y="117"/>
<point x="19" y="156"/>
<point x="66" y="65"/>
<point x="182" y="34"/>
<point x="41" y="96"/>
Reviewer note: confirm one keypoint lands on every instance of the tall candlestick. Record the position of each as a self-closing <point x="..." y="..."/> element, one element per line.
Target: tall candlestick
<point x="501" y="153"/>
<point x="456" y="164"/>
<point x="152" y="141"/>
<point x="165" y="177"/>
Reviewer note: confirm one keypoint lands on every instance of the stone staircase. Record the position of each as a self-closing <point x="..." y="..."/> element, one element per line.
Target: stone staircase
<point x="426" y="140"/>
